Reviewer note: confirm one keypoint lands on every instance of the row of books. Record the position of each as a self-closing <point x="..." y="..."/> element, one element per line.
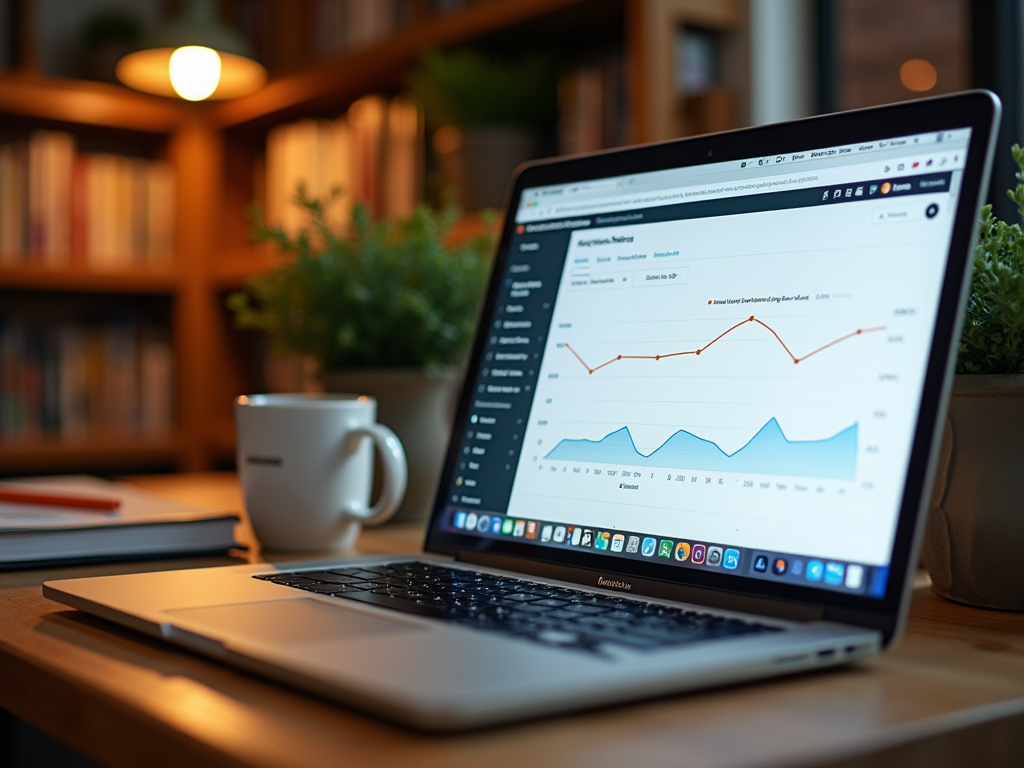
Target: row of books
<point x="592" y="106"/>
<point x="345" y="26"/>
<point x="60" y="208"/>
<point x="373" y="153"/>
<point x="348" y="25"/>
<point x="80" y="379"/>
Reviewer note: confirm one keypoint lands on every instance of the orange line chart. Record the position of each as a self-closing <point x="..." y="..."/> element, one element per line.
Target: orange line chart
<point x="724" y="333"/>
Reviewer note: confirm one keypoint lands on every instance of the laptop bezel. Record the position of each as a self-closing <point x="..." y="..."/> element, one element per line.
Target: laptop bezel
<point x="977" y="110"/>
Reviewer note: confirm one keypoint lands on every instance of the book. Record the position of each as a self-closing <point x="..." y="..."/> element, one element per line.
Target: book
<point x="142" y="526"/>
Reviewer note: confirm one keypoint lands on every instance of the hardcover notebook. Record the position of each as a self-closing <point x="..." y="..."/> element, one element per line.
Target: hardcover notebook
<point x="693" y="447"/>
<point x="143" y="525"/>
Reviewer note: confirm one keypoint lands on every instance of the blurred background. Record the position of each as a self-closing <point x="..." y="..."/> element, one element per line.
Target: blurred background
<point x="125" y="217"/>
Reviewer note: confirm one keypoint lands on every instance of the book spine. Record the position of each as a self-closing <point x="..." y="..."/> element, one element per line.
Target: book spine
<point x="79" y="212"/>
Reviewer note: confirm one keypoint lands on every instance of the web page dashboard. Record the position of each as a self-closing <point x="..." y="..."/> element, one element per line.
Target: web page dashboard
<point x="716" y="364"/>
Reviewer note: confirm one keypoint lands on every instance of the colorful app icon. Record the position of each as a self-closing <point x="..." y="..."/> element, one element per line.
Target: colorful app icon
<point x="484" y="524"/>
<point x="577" y="535"/>
<point x="761" y="563"/>
<point x="697" y="553"/>
<point x="532" y="529"/>
<point x="854" y="576"/>
<point x="559" y="535"/>
<point x="834" y="573"/>
<point x="714" y="556"/>
<point x="682" y="551"/>
<point x="460" y="520"/>
<point x="633" y="545"/>
<point x="546" y="532"/>
<point x="471" y="519"/>
<point x="796" y="568"/>
<point x="587" y="540"/>
<point x="618" y="542"/>
<point x="649" y="545"/>
<point x="731" y="559"/>
<point x="665" y="548"/>
<point x="495" y="525"/>
<point x="519" y="528"/>
<point x="779" y="566"/>
<point x="507" y="525"/>
<point x="602" y="540"/>
<point x="815" y="570"/>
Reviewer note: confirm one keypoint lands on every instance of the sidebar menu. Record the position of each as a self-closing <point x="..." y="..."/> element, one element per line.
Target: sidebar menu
<point x="504" y="386"/>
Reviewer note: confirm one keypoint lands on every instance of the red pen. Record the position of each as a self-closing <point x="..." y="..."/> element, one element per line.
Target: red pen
<point x="83" y="503"/>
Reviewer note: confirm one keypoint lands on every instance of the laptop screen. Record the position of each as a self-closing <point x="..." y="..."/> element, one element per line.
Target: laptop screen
<point x="716" y="367"/>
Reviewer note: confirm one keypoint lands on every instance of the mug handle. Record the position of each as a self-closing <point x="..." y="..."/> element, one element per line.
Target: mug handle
<point x="396" y="476"/>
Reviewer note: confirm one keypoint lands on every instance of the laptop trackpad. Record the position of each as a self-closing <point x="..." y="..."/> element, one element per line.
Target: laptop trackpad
<point x="290" y="621"/>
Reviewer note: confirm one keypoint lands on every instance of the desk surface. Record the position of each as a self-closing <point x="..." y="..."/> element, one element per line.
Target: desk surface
<point x="951" y="693"/>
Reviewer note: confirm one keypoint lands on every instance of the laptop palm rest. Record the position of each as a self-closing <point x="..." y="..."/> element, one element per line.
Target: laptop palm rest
<point x="294" y="622"/>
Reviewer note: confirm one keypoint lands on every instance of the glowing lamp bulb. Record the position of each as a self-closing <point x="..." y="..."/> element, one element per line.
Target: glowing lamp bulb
<point x="195" y="72"/>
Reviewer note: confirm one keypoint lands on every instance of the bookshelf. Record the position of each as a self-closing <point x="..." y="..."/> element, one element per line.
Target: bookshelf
<point x="214" y="149"/>
<point x="92" y="304"/>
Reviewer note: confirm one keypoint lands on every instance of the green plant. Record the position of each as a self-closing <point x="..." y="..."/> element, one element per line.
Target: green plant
<point x="992" y="340"/>
<point x="465" y="88"/>
<point x="380" y="294"/>
<point x="111" y="26"/>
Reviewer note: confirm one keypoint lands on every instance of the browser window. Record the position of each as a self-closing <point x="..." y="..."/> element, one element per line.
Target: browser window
<point x="700" y="366"/>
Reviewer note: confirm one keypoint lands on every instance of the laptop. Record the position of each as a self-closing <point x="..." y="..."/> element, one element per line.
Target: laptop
<point x="694" y="445"/>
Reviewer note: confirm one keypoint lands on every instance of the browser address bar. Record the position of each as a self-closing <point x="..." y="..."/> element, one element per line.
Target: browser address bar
<point x="710" y="191"/>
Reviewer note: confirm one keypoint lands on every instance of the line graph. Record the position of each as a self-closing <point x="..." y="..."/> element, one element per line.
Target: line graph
<point x="699" y="350"/>
<point x="769" y="452"/>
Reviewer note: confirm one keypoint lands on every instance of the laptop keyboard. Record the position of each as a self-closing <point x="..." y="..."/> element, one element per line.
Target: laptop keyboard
<point x="554" y="616"/>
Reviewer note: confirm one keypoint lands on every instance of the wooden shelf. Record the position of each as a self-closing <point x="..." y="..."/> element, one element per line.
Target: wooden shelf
<point x="335" y="83"/>
<point x="31" y="454"/>
<point x="233" y="267"/>
<point x="86" y="103"/>
<point x="87" y="280"/>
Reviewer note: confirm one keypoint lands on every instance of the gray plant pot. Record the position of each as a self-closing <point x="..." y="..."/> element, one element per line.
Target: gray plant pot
<point x="975" y="533"/>
<point x="481" y="163"/>
<point x="419" y="408"/>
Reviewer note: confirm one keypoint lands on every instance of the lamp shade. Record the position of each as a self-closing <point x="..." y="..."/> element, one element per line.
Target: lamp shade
<point x="207" y="43"/>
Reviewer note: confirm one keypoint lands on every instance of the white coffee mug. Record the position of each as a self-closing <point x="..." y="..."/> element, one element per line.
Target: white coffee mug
<point x="306" y="468"/>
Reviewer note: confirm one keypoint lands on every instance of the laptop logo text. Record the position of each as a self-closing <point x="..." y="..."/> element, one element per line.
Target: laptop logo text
<point x="264" y="461"/>
<point x="613" y="583"/>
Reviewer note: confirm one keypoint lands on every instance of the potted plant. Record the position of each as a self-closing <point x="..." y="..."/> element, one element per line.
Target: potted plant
<point x="975" y="530"/>
<point x="387" y="308"/>
<point x="487" y="113"/>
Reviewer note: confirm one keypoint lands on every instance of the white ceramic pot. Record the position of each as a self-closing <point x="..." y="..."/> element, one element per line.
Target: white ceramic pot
<point x="975" y="533"/>
<point x="419" y="408"/>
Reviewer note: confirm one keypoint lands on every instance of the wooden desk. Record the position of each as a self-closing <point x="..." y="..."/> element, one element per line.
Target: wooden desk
<point x="951" y="694"/>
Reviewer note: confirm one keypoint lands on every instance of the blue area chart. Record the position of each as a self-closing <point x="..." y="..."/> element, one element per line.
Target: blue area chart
<point x="769" y="452"/>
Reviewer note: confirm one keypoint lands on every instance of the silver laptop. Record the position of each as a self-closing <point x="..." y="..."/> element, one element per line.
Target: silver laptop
<point x="694" y="445"/>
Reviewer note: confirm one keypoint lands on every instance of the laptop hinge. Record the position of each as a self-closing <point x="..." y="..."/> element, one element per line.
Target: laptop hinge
<point x="616" y="582"/>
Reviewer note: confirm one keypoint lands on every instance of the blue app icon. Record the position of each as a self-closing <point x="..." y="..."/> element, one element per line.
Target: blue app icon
<point x="460" y="520"/>
<point x="815" y="569"/>
<point x="834" y="573"/>
<point x="796" y="568"/>
<point x="648" y="547"/>
<point x="731" y="560"/>
<point x="495" y="525"/>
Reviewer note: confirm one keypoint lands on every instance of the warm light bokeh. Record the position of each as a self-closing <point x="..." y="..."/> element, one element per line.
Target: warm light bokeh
<point x="918" y="75"/>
